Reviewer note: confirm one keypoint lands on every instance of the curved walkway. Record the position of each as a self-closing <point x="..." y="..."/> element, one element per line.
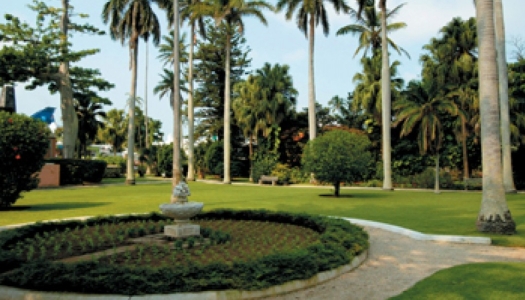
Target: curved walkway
<point x="396" y="262"/>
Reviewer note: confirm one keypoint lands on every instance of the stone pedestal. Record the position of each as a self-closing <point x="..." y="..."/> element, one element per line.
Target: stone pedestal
<point x="182" y="230"/>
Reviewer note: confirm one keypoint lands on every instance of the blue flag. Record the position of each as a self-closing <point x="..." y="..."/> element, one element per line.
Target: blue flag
<point x="45" y="115"/>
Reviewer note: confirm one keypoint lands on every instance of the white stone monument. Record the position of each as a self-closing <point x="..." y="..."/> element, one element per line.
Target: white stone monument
<point x="181" y="211"/>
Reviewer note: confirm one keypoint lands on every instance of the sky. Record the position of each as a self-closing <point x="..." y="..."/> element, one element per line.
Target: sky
<point x="279" y="42"/>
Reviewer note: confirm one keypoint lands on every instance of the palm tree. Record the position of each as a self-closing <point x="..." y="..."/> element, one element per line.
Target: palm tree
<point x="89" y="114"/>
<point x="189" y="12"/>
<point x="494" y="215"/>
<point x="114" y="130"/>
<point x="416" y="111"/>
<point x="130" y="20"/>
<point x="231" y="13"/>
<point x="309" y="13"/>
<point x="508" y="180"/>
<point x="369" y="30"/>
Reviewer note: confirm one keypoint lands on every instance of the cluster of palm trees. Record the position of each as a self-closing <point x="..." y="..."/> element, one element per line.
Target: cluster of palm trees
<point x="131" y="20"/>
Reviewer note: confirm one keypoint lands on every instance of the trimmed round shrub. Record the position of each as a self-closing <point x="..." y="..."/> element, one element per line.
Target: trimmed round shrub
<point x="337" y="156"/>
<point x="23" y="143"/>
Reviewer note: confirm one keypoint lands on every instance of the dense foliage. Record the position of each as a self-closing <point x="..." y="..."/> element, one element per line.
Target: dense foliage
<point x="339" y="242"/>
<point x="23" y="143"/>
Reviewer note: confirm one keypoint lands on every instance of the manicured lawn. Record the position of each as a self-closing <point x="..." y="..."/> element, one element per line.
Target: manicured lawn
<point x="472" y="281"/>
<point x="446" y="213"/>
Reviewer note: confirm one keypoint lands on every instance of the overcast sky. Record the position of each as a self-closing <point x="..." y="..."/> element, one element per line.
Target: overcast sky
<point x="279" y="42"/>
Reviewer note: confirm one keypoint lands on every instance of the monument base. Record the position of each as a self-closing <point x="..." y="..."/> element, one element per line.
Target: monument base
<point x="182" y="230"/>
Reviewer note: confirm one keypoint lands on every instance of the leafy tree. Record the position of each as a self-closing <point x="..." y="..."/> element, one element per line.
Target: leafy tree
<point x="42" y="54"/>
<point x="337" y="156"/>
<point x="23" y="143"/>
<point x="494" y="215"/>
<point x="130" y="20"/>
<point x="210" y="76"/>
<point x="309" y="13"/>
<point x="451" y="65"/>
<point x="231" y="14"/>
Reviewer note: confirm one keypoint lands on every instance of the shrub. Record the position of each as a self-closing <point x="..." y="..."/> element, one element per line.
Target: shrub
<point x="214" y="160"/>
<point x="76" y="171"/>
<point x="283" y="172"/>
<point x="263" y="165"/>
<point x="166" y="161"/>
<point x="427" y="179"/>
<point x="23" y="144"/>
<point x="114" y="160"/>
<point x="337" y="156"/>
<point x="339" y="242"/>
<point x="297" y="175"/>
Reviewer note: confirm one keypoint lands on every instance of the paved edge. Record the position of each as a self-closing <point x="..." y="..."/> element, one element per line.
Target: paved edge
<point x="11" y="293"/>
<point x="422" y="236"/>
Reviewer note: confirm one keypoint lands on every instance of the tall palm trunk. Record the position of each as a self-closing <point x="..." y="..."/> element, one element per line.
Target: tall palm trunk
<point x="250" y="148"/>
<point x="146" y="121"/>
<point x="191" y="130"/>
<point x="385" y="104"/>
<point x="312" y="123"/>
<point x="494" y="215"/>
<point x="436" y="182"/>
<point x="177" y="174"/>
<point x="508" y="180"/>
<point x="69" y="115"/>
<point x="130" y="173"/>
<point x="227" y="104"/>
<point x="466" y="172"/>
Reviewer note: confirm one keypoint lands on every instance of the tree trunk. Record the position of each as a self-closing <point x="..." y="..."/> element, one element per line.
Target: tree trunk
<point x="312" y="122"/>
<point x="337" y="188"/>
<point x="436" y="183"/>
<point x="508" y="180"/>
<point x="227" y="104"/>
<point x="177" y="174"/>
<point x="494" y="215"/>
<point x="69" y="116"/>
<point x="146" y="121"/>
<point x="134" y="48"/>
<point x="385" y="104"/>
<point x="250" y="147"/>
<point x="191" y="151"/>
<point x="466" y="171"/>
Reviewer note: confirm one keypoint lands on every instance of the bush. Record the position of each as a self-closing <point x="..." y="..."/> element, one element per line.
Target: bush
<point x="263" y="165"/>
<point x="76" y="171"/>
<point x="427" y="179"/>
<point x="283" y="172"/>
<point x="297" y="175"/>
<point x="114" y="160"/>
<point x="214" y="161"/>
<point x="337" y="156"/>
<point x="339" y="242"/>
<point x="166" y="161"/>
<point x="23" y="143"/>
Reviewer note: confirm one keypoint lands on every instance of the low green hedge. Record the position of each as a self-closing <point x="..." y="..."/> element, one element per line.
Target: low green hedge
<point x="76" y="171"/>
<point x="338" y="244"/>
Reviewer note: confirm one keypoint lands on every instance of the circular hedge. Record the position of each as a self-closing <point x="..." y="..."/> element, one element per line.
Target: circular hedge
<point x="338" y="242"/>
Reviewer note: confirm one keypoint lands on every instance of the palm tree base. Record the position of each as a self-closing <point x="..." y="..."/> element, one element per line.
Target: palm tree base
<point x="388" y="189"/>
<point x="511" y="192"/>
<point x="226" y="182"/>
<point x="496" y="224"/>
<point x="130" y="181"/>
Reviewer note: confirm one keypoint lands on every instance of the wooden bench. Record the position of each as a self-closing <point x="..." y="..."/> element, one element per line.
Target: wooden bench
<point x="266" y="178"/>
<point x="112" y="171"/>
<point x="472" y="182"/>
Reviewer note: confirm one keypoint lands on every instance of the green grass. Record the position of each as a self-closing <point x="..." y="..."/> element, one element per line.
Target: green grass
<point x="473" y="281"/>
<point x="446" y="213"/>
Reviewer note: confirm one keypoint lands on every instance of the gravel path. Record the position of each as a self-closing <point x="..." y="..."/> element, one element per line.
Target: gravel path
<point x="397" y="262"/>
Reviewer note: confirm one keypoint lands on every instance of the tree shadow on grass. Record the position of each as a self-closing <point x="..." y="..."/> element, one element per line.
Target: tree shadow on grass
<point x="62" y="206"/>
<point x="341" y="196"/>
<point x="355" y="195"/>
